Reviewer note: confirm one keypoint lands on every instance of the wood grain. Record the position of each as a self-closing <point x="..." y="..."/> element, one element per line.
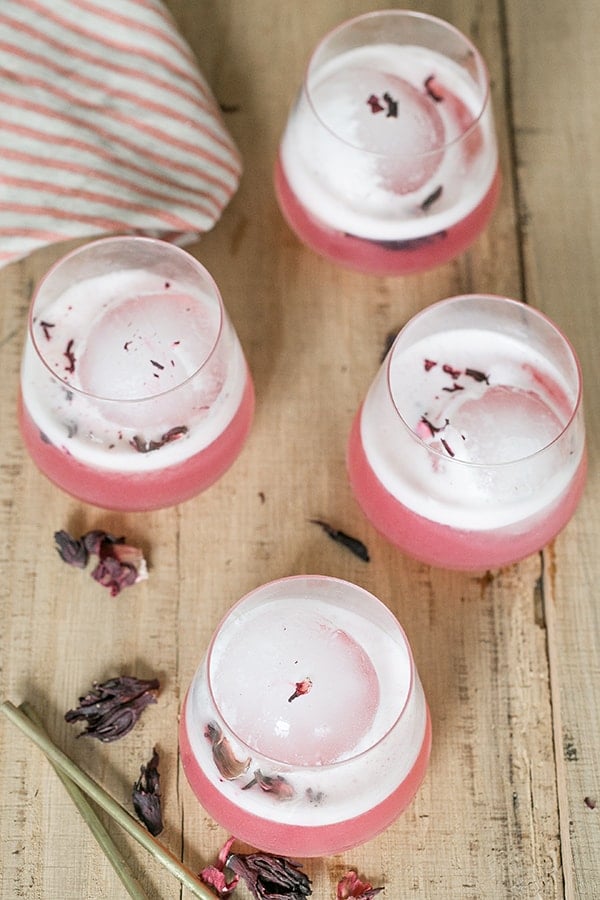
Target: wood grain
<point x="509" y="661"/>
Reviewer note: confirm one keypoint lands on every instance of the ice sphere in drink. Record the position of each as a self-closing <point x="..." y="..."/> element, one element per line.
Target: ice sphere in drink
<point x="308" y="729"/>
<point x="397" y="125"/>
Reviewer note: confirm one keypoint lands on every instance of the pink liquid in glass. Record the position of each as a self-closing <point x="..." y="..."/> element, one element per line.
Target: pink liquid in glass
<point x="384" y="257"/>
<point x="302" y="840"/>
<point x="142" y="490"/>
<point x="443" y="545"/>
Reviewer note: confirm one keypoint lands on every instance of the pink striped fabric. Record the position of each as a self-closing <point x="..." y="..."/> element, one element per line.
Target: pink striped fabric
<point x="106" y="125"/>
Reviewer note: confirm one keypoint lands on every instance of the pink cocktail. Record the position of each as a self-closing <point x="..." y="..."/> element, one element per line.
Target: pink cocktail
<point x="135" y="393"/>
<point x="305" y="731"/>
<point x="469" y="449"/>
<point x="388" y="162"/>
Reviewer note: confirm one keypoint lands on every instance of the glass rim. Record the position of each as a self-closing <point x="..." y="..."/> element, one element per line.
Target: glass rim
<point x="121" y="239"/>
<point x="400" y="13"/>
<point x="373" y="600"/>
<point x="503" y="301"/>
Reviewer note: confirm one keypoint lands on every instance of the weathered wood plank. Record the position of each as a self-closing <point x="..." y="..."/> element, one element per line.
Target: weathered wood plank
<point x="486" y="823"/>
<point x="554" y="57"/>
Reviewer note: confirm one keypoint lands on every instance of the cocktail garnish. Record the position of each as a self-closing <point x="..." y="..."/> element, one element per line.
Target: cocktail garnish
<point x="374" y="103"/>
<point x="146" y="796"/>
<point x="432" y="428"/>
<point x="377" y="107"/>
<point x="430" y="87"/>
<point x="110" y="710"/>
<point x="70" y="356"/>
<point x="173" y="434"/>
<point x="392" y="106"/>
<point x="46" y="326"/>
<point x="449" y="370"/>
<point x="225" y="760"/>
<point x="302" y="687"/>
<point x="477" y="375"/>
<point x="272" y="784"/>
<point x="447" y="447"/>
<point x="430" y="200"/>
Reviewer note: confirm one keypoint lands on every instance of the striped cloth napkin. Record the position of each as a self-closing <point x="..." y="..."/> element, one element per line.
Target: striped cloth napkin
<point x="106" y="126"/>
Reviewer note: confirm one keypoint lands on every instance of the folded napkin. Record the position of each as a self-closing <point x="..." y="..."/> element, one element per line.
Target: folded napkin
<point x="106" y="125"/>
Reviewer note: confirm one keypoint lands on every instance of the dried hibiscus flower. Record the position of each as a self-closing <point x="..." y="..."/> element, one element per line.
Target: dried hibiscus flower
<point x="225" y="760"/>
<point x="215" y="875"/>
<point x="267" y="877"/>
<point x="119" y="565"/>
<point x="302" y="687"/>
<point x="146" y="796"/>
<point x="351" y="886"/>
<point x="110" y="710"/>
<point x="71" y="550"/>
<point x="272" y="784"/>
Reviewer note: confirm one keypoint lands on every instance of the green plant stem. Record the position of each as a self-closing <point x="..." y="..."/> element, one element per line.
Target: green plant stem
<point x="95" y="825"/>
<point x="105" y="801"/>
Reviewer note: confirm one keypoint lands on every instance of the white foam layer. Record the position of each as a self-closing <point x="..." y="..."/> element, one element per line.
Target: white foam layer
<point x="466" y="453"/>
<point x="356" y="784"/>
<point x="126" y="336"/>
<point x="374" y="192"/>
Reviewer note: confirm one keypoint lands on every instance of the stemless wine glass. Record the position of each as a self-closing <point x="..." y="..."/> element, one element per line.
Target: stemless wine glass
<point x="469" y="449"/>
<point x="305" y="731"/>
<point x="388" y="163"/>
<point x="135" y="393"/>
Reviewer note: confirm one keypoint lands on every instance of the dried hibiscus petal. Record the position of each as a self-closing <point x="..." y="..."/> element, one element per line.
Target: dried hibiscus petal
<point x="225" y="760"/>
<point x="272" y="784"/>
<point x="215" y="876"/>
<point x="71" y="550"/>
<point x="267" y="877"/>
<point x="95" y="539"/>
<point x="114" y="575"/>
<point x="173" y="434"/>
<point x="431" y="198"/>
<point x="216" y="879"/>
<point x="146" y="796"/>
<point x="270" y="877"/>
<point x="302" y="687"/>
<point x="351" y="886"/>
<point x="119" y="566"/>
<point x="353" y="544"/>
<point x="110" y="710"/>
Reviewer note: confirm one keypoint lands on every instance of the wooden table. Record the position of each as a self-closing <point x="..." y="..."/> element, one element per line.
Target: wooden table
<point x="510" y="661"/>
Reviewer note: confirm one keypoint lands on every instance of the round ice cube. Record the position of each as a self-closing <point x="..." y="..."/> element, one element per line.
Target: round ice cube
<point x="255" y="678"/>
<point x="504" y="424"/>
<point x="384" y="115"/>
<point x="145" y="345"/>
